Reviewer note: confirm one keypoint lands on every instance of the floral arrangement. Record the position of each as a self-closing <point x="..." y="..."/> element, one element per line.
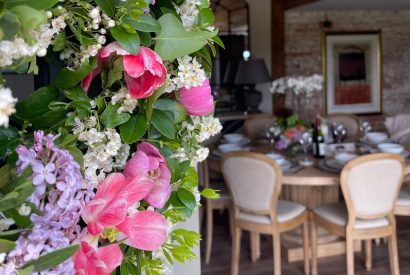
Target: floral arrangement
<point x="306" y="85"/>
<point x="98" y="168"/>
<point x="289" y="131"/>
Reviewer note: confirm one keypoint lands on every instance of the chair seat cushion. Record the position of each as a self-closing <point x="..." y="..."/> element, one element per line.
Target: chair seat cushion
<point x="404" y="197"/>
<point x="337" y="214"/>
<point x="286" y="210"/>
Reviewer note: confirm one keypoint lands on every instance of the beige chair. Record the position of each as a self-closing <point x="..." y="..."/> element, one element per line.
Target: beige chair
<point x="351" y="122"/>
<point x="255" y="183"/>
<point x="256" y="124"/>
<point x="370" y="186"/>
<point x="222" y="203"/>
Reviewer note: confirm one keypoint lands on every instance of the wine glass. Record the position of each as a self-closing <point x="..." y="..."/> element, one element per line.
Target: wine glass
<point x="305" y="140"/>
<point x="365" y="127"/>
<point x="269" y="134"/>
<point x="339" y="132"/>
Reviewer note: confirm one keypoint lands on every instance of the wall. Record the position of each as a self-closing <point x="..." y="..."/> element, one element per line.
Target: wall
<point x="304" y="53"/>
<point x="260" y="30"/>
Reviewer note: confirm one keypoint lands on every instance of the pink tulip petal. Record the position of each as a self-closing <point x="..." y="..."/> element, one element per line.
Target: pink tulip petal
<point x="150" y="150"/>
<point x="134" y="65"/>
<point x="197" y="101"/>
<point x="85" y="84"/>
<point x="111" y="48"/>
<point x="146" y="230"/>
<point x="110" y="186"/>
<point x="139" y="87"/>
<point x="111" y="256"/>
<point x="114" y="213"/>
<point x="136" y="190"/>
<point x="159" y="195"/>
<point x="137" y="165"/>
<point x="165" y="176"/>
<point x="156" y="68"/>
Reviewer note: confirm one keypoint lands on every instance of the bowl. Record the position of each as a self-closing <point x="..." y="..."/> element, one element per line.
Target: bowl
<point x="392" y="148"/>
<point x="233" y="138"/>
<point x="276" y="157"/>
<point x="228" y="147"/>
<point x="376" y="137"/>
<point x="343" y="158"/>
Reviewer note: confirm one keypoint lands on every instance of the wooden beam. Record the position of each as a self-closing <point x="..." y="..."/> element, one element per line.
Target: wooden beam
<point x="290" y="4"/>
<point x="278" y="38"/>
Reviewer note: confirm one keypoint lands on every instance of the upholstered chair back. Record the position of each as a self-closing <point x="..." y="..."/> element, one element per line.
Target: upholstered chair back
<point x="371" y="184"/>
<point x="255" y="125"/>
<point x="351" y="123"/>
<point x="253" y="179"/>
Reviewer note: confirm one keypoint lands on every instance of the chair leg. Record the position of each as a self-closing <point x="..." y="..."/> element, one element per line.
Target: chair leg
<point x="209" y="232"/>
<point x="236" y="250"/>
<point x="231" y="218"/>
<point x="313" y="240"/>
<point x="349" y="254"/>
<point x="393" y="254"/>
<point x="255" y="246"/>
<point x="368" y="254"/>
<point x="276" y="254"/>
<point x="305" y="229"/>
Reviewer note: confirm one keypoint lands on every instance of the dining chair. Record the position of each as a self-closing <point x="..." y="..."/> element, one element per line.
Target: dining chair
<point x="403" y="203"/>
<point x="224" y="202"/>
<point x="370" y="186"/>
<point x="255" y="181"/>
<point x="351" y="122"/>
<point x="256" y="124"/>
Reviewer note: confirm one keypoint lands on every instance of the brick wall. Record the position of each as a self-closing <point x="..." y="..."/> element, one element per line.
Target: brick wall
<point x="304" y="52"/>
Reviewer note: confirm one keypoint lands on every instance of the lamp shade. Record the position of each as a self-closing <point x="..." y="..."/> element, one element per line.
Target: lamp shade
<point x="252" y="71"/>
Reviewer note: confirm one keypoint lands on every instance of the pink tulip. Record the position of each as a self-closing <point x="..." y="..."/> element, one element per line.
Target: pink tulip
<point x="109" y="206"/>
<point x="143" y="72"/>
<point x="198" y="101"/>
<point x="149" y="166"/>
<point x="100" y="261"/>
<point x="146" y="230"/>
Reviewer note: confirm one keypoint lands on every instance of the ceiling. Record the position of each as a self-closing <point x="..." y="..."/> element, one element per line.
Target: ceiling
<point x="356" y="5"/>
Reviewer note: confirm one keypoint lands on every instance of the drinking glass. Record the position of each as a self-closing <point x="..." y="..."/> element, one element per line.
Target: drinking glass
<point x="365" y="127"/>
<point x="305" y="140"/>
<point x="339" y="132"/>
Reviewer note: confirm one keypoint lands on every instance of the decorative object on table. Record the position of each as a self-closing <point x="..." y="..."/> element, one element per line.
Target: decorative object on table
<point x="339" y="132"/>
<point x="271" y="133"/>
<point x="352" y="71"/>
<point x="291" y="129"/>
<point x="301" y="89"/>
<point x="374" y="138"/>
<point x="343" y="158"/>
<point x="318" y="139"/>
<point x="392" y="148"/>
<point x="306" y="141"/>
<point x="351" y="122"/>
<point x="251" y="72"/>
<point x="97" y="174"/>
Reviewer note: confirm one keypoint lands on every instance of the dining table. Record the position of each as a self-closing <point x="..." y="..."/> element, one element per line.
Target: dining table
<point x="310" y="185"/>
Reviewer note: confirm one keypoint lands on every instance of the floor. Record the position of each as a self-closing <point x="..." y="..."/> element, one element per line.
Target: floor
<point x="221" y="255"/>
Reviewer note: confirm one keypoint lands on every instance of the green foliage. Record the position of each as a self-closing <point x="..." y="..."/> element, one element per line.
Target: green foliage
<point x="30" y="18"/>
<point x="108" y="6"/>
<point x="22" y="189"/>
<point x="145" y="23"/>
<point x="210" y="193"/>
<point x="6" y="245"/>
<point x="129" y="41"/>
<point x="53" y="258"/>
<point x="8" y="141"/>
<point x="173" y="41"/>
<point x="38" y="4"/>
<point x="110" y="117"/>
<point x="132" y="130"/>
<point x="187" y="198"/>
<point x="181" y="247"/>
<point x="9" y="25"/>
<point x="163" y="123"/>
<point x="67" y="78"/>
<point x="175" y="107"/>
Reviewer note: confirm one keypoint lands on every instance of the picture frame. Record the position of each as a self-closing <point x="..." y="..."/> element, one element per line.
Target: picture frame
<point x="352" y="72"/>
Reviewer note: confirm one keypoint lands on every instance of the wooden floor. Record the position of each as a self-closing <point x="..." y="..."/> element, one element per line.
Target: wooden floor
<point x="221" y="255"/>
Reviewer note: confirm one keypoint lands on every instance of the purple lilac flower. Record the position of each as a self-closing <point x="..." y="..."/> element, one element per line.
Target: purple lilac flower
<point x="282" y="143"/>
<point x="58" y="195"/>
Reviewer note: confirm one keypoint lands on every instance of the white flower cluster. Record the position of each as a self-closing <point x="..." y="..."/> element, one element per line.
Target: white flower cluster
<point x="201" y="128"/>
<point x="7" y="102"/>
<point x="195" y="154"/>
<point x="105" y="152"/>
<point x="128" y="104"/>
<point x="188" y="12"/>
<point x="307" y="85"/>
<point x="18" y="48"/>
<point x="5" y="223"/>
<point x="190" y="74"/>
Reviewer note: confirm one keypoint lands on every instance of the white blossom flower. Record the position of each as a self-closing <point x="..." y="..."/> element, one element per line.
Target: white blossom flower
<point x="127" y="103"/>
<point x="94" y="13"/>
<point x="111" y="23"/>
<point x="24" y="210"/>
<point x="188" y="12"/>
<point x="7" y="103"/>
<point x="5" y="223"/>
<point x="190" y="74"/>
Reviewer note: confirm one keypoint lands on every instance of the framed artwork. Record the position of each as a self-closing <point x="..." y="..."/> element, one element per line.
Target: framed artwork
<point x="352" y="72"/>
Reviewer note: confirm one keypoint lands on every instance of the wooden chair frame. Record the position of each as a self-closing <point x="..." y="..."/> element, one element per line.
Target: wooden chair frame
<point x="403" y="210"/>
<point x="350" y="233"/>
<point x="274" y="229"/>
<point x="248" y="121"/>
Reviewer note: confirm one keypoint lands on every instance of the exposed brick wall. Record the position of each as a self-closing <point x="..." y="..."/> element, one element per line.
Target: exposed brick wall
<point x="304" y="51"/>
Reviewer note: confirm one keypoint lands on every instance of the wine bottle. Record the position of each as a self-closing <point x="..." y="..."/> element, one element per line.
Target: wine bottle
<point x="319" y="145"/>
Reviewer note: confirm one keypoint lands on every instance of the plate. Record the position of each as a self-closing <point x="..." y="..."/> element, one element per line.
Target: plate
<point x="286" y="164"/>
<point x="332" y="163"/>
<point x="334" y="167"/>
<point x="241" y="142"/>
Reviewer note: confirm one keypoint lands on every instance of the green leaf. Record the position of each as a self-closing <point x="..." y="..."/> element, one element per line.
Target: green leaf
<point x="5" y="174"/>
<point x="10" y="25"/>
<point x="50" y="119"/>
<point x="37" y="4"/>
<point x="132" y="130"/>
<point x="174" y="41"/>
<point x="27" y="271"/>
<point x="76" y="93"/>
<point x="129" y="41"/>
<point x="210" y="193"/>
<point x="30" y="18"/>
<point x="218" y="41"/>
<point x="152" y="99"/>
<point x="190" y="179"/>
<point x="146" y="39"/>
<point x="108" y="6"/>
<point x="111" y="119"/>
<point x="52" y="259"/>
<point x="146" y="23"/>
<point x="37" y="103"/>
<point x="6" y="245"/>
<point x="163" y="123"/>
<point x="67" y="78"/>
<point x="8" y="141"/>
<point x="11" y="235"/>
<point x="175" y="107"/>
<point x="59" y="42"/>
<point x="18" y="196"/>
<point x="187" y="198"/>
<point x="206" y="17"/>
<point x="115" y="72"/>
<point x="21" y="221"/>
